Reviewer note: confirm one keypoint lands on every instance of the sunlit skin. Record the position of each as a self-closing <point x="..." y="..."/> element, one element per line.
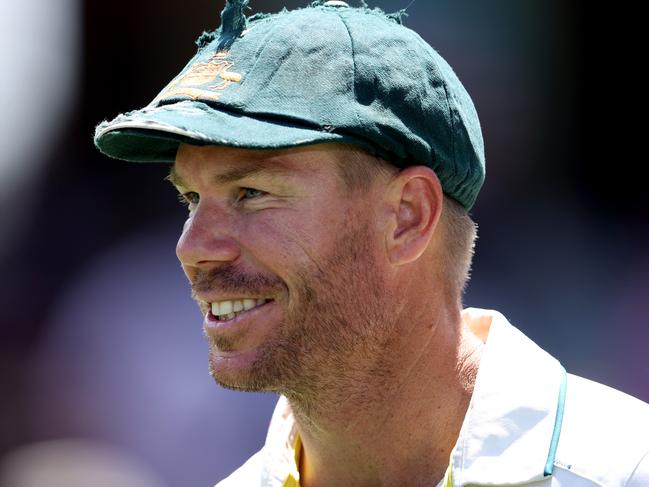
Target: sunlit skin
<point x="361" y="335"/>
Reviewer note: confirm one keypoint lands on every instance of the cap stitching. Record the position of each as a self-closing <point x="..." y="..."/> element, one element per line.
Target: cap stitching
<point x="351" y="43"/>
<point x="451" y="123"/>
<point x="263" y="45"/>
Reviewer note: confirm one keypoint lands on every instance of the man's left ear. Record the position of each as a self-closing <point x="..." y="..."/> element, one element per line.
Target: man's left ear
<point x="415" y="202"/>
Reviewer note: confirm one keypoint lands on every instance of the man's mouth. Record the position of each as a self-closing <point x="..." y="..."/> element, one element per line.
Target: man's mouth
<point x="227" y="310"/>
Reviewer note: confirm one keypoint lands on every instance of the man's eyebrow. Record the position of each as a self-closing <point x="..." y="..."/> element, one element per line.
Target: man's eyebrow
<point x="174" y="178"/>
<point x="237" y="173"/>
<point x="251" y="170"/>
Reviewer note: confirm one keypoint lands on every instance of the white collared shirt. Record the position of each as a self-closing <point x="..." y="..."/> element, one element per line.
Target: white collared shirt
<point x="528" y="423"/>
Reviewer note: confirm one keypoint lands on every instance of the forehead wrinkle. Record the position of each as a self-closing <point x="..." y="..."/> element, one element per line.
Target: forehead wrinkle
<point x="250" y="170"/>
<point x="282" y="165"/>
<point x="255" y="164"/>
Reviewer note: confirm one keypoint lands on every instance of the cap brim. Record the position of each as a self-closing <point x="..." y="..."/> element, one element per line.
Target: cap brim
<point x="153" y="134"/>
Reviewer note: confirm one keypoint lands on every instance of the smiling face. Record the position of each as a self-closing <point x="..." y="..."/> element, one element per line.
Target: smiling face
<point x="285" y="264"/>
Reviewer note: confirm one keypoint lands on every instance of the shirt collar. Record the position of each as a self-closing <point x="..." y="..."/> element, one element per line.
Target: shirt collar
<point x="282" y="448"/>
<point x="508" y="428"/>
<point x="507" y="431"/>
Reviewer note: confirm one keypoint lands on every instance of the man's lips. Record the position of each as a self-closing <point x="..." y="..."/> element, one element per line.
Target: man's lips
<point x="220" y="323"/>
<point x="246" y="330"/>
<point x="228" y="309"/>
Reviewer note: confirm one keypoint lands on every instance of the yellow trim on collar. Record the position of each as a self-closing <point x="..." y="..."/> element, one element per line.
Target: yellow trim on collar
<point x="293" y="478"/>
<point x="448" y="477"/>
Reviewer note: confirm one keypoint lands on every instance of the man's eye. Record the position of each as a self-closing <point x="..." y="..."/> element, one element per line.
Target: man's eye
<point x="189" y="199"/>
<point x="250" y="193"/>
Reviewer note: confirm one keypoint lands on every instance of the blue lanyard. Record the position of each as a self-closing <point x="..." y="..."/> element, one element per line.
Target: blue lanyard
<point x="549" y="464"/>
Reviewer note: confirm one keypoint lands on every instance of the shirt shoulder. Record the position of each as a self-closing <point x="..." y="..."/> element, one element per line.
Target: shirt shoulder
<point x="275" y="464"/>
<point x="640" y="476"/>
<point x="605" y="436"/>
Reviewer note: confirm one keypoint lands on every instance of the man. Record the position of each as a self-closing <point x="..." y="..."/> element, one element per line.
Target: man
<point x="328" y="158"/>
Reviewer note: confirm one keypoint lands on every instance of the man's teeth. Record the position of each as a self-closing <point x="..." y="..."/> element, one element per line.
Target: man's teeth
<point x="226" y="310"/>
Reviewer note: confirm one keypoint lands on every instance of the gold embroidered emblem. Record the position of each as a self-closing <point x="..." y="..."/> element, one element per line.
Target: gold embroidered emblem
<point x="194" y="82"/>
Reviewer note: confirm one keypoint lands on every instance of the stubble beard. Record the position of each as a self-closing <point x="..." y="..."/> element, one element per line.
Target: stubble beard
<point x="336" y="336"/>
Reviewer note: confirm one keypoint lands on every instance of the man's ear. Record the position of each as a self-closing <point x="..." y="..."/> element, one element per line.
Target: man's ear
<point x="415" y="200"/>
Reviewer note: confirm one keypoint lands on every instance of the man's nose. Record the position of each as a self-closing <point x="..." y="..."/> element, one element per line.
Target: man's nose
<point x="207" y="238"/>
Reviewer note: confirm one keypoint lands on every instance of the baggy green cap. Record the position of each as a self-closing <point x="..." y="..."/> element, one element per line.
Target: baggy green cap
<point x="324" y="73"/>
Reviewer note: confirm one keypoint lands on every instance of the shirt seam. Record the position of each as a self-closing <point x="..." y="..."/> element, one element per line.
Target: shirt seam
<point x="579" y="474"/>
<point x="635" y="469"/>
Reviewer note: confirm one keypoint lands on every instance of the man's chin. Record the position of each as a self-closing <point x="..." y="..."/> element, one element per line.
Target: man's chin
<point x="242" y="372"/>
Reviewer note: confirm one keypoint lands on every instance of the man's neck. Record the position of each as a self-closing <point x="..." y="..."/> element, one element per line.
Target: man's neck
<point x="398" y="428"/>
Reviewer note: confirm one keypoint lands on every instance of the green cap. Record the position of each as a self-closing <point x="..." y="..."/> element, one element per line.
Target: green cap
<point x="324" y="73"/>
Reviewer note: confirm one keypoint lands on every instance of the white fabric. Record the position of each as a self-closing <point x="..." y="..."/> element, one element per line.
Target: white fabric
<point x="506" y="434"/>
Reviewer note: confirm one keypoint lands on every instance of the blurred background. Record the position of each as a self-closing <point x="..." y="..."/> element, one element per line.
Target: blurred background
<point x="103" y="367"/>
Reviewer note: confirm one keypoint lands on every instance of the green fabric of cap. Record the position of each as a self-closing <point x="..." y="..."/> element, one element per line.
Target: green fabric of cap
<point x="324" y="73"/>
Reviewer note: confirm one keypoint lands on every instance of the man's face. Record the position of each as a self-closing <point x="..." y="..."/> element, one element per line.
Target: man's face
<point x="278" y="233"/>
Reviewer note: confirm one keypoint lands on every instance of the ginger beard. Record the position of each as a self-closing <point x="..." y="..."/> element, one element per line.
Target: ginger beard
<point x="336" y="322"/>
